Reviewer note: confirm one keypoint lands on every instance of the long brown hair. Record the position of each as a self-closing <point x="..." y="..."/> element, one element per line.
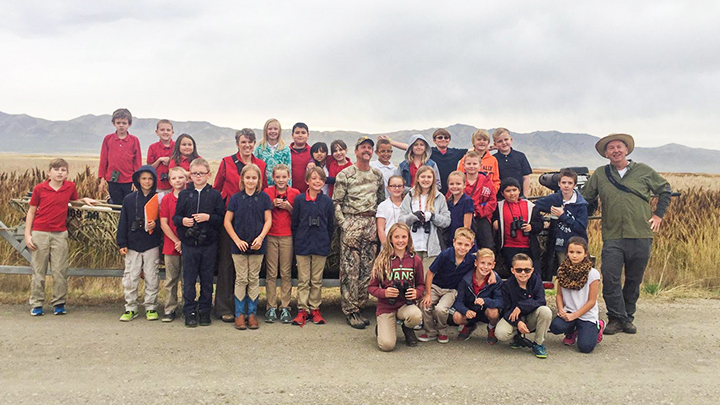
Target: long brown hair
<point x="417" y="190"/>
<point x="177" y="156"/>
<point x="381" y="268"/>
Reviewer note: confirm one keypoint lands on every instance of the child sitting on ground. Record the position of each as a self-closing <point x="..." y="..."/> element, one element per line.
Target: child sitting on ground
<point x="479" y="297"/>
<point x="577" y="292"/>
<point x="172" y="247"/>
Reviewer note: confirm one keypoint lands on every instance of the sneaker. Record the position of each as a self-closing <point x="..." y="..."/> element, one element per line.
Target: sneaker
<point x="128" y="316"/>
<point x="191" y="320"/>
<point x="301" y="318"/>
<point x="37" y="311"/>
<point x="491" y="338"/>
<point x="271" y="315"/>
<point x="205" y="319"/>
<point x="151" y="315"/>
<point x="168" y="317"/>
<point x="363" y="319"/>
<point x="570" y="338"/>
<point x="59" y="309"/>
<point x="443" y="339"/>
<point x="285" y="315"/>
<point x="601" y="329"/>
<point x="317" y="317"/>
<point x="410" y="339"/>
<point x="518" y="342"/>
<point x="628" y="327"/>
<point x="466" y="331"/>
<point x="539" y="351"/>
<point x="613" y="326"/>
<point x="355" y="321"/>
<point x="426" y="338"/>
<point x="419" y="327"/>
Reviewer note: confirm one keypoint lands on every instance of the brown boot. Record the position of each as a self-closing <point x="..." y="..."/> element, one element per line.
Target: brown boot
<point x="240" y="322"/>
<point x="252" y="322"/>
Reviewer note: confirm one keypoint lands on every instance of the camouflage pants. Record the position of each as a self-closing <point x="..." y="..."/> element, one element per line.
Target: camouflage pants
<point x="357" y="254"/>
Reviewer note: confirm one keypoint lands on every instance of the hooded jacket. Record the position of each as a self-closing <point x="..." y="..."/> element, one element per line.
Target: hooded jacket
<point x="490" y="293"/>
<point x="206" y="201"/>
<point x="441" y="219"/>
<point x="133" y="209"/>
<point x="573" y="222"/>
<point x="404" y="167"/>
<point x="528" y="300"/>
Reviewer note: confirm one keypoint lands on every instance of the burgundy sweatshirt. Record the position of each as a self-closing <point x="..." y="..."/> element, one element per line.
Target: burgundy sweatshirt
<point x="408" y="268"/>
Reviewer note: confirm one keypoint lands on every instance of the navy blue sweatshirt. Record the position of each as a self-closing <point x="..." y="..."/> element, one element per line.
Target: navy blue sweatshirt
<point x="208" y="201"/>
<point x="528" y="300"/>
<point x="490" y="293"/>
<point x="312" y="225"/>
<point x="446" y="163"/>
<point x="133" y="209"/>
<point x="573" y="222"/>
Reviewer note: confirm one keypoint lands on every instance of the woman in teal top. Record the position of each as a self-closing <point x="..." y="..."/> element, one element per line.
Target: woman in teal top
<point x="272" y="149"/>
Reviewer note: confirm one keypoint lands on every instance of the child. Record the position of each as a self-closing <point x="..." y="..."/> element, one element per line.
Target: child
<point x="482" y="191"/>
<point x="389" y="211"/>
<point x="272" y="149"/>
<point x="424" y="209"/>
<point x="46" y="235"/>
<point x="198" y="216"/>
<point x="441" y="284"/>
<point x="159" y="155"/>
<point x="319" y="153"/>
<point x="524" y="307"/>
<point x="172" y="247"/>
<point x="488" y="164"/>
<point x="312" y="230"/>
<point x="248" y="220"/>
<point x="300" y="155"/>
<point x="479" y="297"/>
<point x="184" y="153"/>
<point x="384" y="150"/>
<point x="338" y="162"/>
<point x="460" y="205"/>
<point x="139" y="241"/>
<point x="511" y="163"/>
<point x="569" y="210"/>
<point x="397" y="268"/>
<point x="517" y="235"/>
<point x="578" y="285"/>
<point x="280" y="244"/>
<point x="416" y="156"/>
<point x="120" y="157"/>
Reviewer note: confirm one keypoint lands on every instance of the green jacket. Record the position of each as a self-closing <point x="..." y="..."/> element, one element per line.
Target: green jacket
<point x="625" y="215"/>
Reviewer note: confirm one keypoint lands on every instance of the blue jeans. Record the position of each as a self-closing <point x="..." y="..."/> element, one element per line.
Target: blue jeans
<point x="587" y="332"/>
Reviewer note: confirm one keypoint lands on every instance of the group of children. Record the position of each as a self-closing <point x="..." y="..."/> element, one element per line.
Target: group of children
<point x="430" y="240"/>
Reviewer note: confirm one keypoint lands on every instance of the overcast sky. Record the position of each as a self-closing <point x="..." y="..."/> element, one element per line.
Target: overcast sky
<point x="648" y="68"/>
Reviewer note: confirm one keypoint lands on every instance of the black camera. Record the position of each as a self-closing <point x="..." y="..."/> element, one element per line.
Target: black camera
<point x="516" y="225"/>
<point x="164" y="177"/>
<point x="314" y="221"/>
<point x="198" y="233"/>
<point x="114" y="176"/>
<point x="137" y="224"/>
<point x="402" y="286"/>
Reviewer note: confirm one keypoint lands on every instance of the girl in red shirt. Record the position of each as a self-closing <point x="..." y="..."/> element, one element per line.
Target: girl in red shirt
<point x="184" y="152"/>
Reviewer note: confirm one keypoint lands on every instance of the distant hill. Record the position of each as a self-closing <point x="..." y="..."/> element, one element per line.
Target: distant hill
<point x="548" y="149"/>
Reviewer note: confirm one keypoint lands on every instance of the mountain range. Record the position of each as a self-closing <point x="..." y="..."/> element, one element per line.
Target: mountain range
<point x="20" y="133"/>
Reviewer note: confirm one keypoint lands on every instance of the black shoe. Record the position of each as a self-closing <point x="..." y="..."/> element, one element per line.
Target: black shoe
<point x="355" y="321"/>
<point x="410" y="338"/>
<point x="362" y="318"/>
<point x="169" y="317"/>
<point x="205" y="319"/>
<point x="613" y="326"/>
<point x="191" y="320"/>
<point x="628" y="327"/>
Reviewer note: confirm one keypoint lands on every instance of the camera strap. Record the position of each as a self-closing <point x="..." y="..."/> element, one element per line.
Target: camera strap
<point x="238" y="164"/>
<point x="621" y="187"/>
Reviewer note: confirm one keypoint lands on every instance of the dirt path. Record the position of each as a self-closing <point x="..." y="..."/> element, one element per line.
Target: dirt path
<point x="90" y="357"/>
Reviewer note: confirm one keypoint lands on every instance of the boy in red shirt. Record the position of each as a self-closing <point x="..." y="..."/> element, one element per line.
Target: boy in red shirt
<point x="171" y="242"/>
<point x="300" y="155"/>
<point x="482" y="191"/>
<point x="158" y="155"/>
<point x="120" y="157"/>
<point x="46" y="235"/>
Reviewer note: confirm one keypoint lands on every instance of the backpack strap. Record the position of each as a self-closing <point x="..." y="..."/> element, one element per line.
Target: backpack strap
<point x="621" y="187"/>
<point x="238" y="164"/>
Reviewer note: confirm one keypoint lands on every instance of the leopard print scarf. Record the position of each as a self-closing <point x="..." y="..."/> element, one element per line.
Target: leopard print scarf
<point x="573" y="276"/>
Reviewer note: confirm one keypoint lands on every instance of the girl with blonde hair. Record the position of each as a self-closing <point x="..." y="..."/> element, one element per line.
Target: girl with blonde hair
<point x="272" y="149"/>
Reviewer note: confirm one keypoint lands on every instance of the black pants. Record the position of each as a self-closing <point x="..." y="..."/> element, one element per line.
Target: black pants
<point x="484" y="234"/>
<point x="225" y="288"/>
<point x="118" y="191"/>
<point x="198" y="261"/>
<point x="633" y="254"/>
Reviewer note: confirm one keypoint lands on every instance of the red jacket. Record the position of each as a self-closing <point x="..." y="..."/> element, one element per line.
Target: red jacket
<point x="408" y="268"/>
<point x="483" y="195"/>
<point x="333" y="169"/>
<point x="227" y="181"/>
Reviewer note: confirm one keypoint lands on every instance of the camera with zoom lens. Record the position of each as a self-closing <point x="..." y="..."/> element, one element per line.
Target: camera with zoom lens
<point x="137" y="224"/>
<point x="402" y="286"/>
<point x="197" y="233"/>
<point x="516" y="225"/>
<point x="314" y="221"/>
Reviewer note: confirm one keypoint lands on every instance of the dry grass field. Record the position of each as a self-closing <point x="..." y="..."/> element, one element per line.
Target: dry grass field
<point x="685" y="257"/>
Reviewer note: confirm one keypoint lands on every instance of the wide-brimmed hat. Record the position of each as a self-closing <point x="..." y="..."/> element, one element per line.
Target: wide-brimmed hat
<point x="625" y="138"/>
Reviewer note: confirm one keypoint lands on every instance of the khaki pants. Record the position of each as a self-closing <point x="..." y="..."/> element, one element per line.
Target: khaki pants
<point x="279" y="255"/>
<point x="247" y="276"/>
<point x="310" y="276"/>
<point x="173" y="273"/>
<point x="538" y="320"/>
<point x="387" y="331"/>
<point x="136" y="263"/>
<point x="427" y="261"/>
<point x="52" y="248"/>
<point x="435" y="318"/>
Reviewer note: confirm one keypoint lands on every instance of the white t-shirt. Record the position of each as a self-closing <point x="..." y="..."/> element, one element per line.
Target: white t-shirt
<point x="390" y="212"/>
<point x="575" y="299"/>
<point x="622" y="172"/>
<point x="419" y="237"/>
<point x="387" y="172"/>
<point x="326" y="187"/>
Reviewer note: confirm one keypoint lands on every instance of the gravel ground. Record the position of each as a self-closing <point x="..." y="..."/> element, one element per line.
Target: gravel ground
<point x="88" y="356"/>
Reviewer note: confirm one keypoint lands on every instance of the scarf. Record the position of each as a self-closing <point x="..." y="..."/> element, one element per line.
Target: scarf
<point x="573" y="276"/>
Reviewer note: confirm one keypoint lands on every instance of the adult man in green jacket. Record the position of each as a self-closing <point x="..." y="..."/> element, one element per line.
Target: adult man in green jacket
<point x="625" y="188"/>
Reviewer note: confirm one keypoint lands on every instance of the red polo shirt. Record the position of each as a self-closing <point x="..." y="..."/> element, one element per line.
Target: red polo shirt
<point x="227" y="181"/>
<point x="515" y="210"/>
<point x="52" y="206"/>
<point x="300" y="160"/>
<point x="281" y="219"/>
<point x="167" y="210"/>
<point x="413" y="172"/>
<point x="184" y="163"/>
<point x="122" y="155"/>
<point x="156" y="151"/>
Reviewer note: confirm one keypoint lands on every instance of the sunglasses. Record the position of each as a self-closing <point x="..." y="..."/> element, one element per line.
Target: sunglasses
<point x="442" y="137"/>
<point x="521" y="270"/>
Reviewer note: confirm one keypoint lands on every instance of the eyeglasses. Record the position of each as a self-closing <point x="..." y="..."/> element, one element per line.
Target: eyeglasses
<point x="198" y="174"/>
<point x="395" y="186"/>
<point x="521" y="270"/>
<point x="442" y="137"/>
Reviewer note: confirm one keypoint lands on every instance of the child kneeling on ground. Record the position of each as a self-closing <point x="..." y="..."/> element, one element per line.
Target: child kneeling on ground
<point x="397" y="270"/>
<point x="524" y="309"/>
<point x="479" y="297"/>
<point x="578" y="285"/>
